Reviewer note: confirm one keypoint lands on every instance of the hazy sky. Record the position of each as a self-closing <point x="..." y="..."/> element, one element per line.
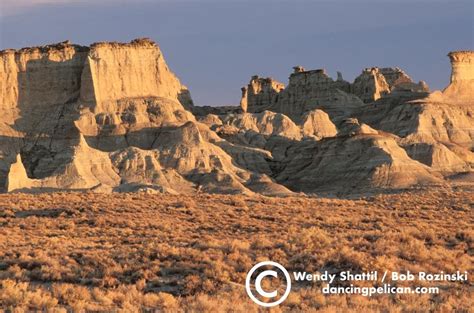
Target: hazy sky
<point x="215" y="46"/>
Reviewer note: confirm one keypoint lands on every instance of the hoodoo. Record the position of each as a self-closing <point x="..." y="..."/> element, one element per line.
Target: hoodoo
<point x="113" y="117"/>
<point x="462" y="63"/>
<point x="461" y="88"/>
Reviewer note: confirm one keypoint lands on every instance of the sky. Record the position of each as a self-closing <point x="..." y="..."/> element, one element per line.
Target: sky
<point x="215" y="46"/>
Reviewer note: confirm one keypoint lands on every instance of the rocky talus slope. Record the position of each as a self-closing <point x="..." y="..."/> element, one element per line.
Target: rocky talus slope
<point x="112" y="117"/>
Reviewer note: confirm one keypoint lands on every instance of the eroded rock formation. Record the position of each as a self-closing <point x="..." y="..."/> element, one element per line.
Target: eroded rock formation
<point x="314" y="89"/>
<point x="66" y="106"/>
<point x="317" y="124"/>
<point x="113" y="117"/>
<point x="306" y="91"/>
<point x="260" y="94"/>
<point x="461" y="87"/>
<point x="371" y="85"/>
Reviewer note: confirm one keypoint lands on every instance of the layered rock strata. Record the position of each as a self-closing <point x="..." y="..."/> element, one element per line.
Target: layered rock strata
<point x="112" y="117"/>
<point x="314" y="89"/>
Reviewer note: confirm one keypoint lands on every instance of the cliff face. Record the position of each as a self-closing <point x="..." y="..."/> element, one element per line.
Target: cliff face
<point x="375" y="83"/>
<point x="113" y="117"/>
<point x="118" y="71"/>
<point x="434" y="129"/>
<point x="314" y="84"/>
<point x="35" y="79"/>
<point x="51" y="95"/>
<point x="109" y="117"/>
<point x="38" y="86"/>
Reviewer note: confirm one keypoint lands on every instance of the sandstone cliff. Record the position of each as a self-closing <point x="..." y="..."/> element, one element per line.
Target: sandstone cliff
<point x="114" y="71"/>
<point x="437" y="130"/>
<point x="112" y="117"/>
<point x="56" y="98"/>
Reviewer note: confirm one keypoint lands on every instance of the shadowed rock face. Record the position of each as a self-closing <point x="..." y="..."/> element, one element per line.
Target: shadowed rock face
<point x="113" y="117"/>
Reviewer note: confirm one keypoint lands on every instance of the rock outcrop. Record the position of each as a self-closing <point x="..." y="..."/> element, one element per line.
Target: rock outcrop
<point x="360" y="158"/>
<point x="437" y="130"/>
<point x="260" y="94"/>
<point x="371" y="85"/>
<point x="375" y="83"/>
<point x="112" y="117"/>
<point x="461" y="88"/>
<point x="115" y="71"/>
<point x="266" y="123"/>
<point x="314" y="89"/>
<point x="306" y="91"/>
<point x="317" y="124"/>
<point x="58" y="97"/>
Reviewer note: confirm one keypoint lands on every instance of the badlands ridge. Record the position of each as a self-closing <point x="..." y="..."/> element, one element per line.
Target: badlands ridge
<point x="113" y="117"/>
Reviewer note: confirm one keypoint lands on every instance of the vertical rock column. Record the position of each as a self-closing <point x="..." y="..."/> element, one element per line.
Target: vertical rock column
<point x="461" y="88"/>
<point x="462" y="63"/>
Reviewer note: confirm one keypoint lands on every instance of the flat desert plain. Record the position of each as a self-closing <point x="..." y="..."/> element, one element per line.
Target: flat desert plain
<point x="143" y="252"/>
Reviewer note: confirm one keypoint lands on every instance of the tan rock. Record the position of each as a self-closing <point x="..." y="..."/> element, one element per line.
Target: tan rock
<point x="113" y="117"/>
<point x="260" y="94"/>
<point x="306" y="91"/>
<point x="352" y="127"/>
<point x="109" y="92"/>
<point x="317" y="124"/>
<point x="210" y="120"/>
<point x="17" y="178"/>
<point x="358" y="163"/>
<point x="437" y="130"/>
<point x="371" y="85"/>
<point x="266" y="123"/>
<point x="116" y="71"/>
<point x="439" y="157"/>
<point x="398" y="80"/>
<point x="87" y="169"/>
<point x="461" y="88"/>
